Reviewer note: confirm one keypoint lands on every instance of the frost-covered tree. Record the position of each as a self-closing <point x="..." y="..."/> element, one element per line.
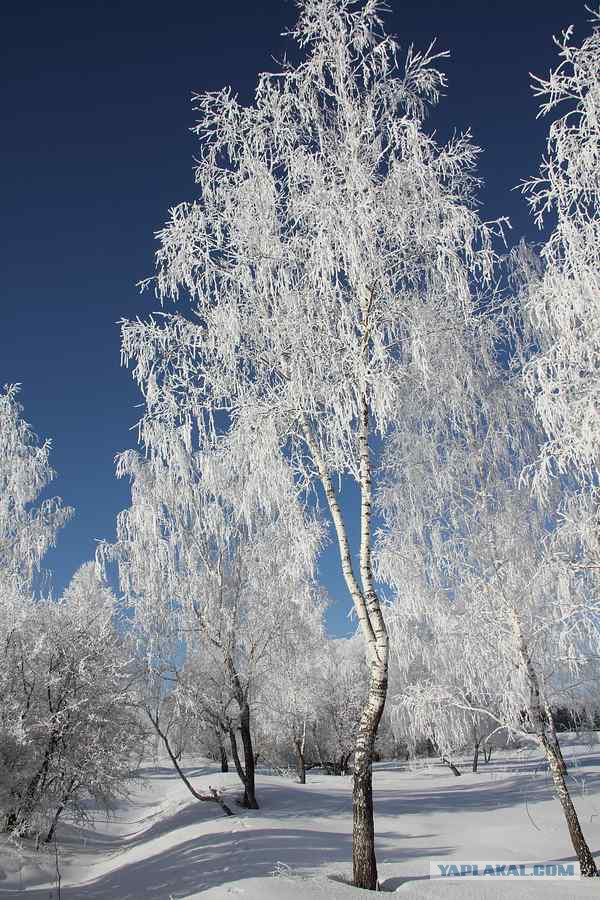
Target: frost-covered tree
<point x="290" y="692"/>
<point x="503" y="626"/>
<point x="331" y="241"/>
<point x="27" y="527"/>
<point x="70" y="687"/>
<point x="213" y="558"/>
<point x="562" y="303"/>
<point x="342" y="682"/>
<point x="430" y="674"/>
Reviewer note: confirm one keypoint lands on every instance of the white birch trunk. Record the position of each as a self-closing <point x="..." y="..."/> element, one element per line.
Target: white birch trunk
<point x="586" y="860"/>
<point x="370" y="616"/>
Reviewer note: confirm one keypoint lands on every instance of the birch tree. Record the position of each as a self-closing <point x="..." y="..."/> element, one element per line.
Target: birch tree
<point x="211" y="556"/>
<point x="290" y="692"/>
<point x="330" y="238"/>
<point x="28" y="525"/>
<point x="70" y="689"/>
<point x="342" y="684"/>
<point x="562" y="302"/>
<point x="28" y="528"/>
<point x="508" y="628"/>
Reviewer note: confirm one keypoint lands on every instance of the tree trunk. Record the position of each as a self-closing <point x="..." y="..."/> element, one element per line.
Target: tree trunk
<point x="224" y="761"/>
<point x="587" y="864"/>
<point x="555" y="741"/>
<point x="487" y="753"/>
<point x="586" y="861"/>
<point x="50" y="835"/>
<point x="213" y="797"/>
<point x="60" y="810"/>
<point x="236" y="756"/>
<point x="476" y="756"/>
<point x="301" y="761"/>
<point x="451" y="766"/>
<point x="317" y="745"/>
<point x="249" y="801"/>
<point x="27" y="805"/>
<point x="363" y="835"/>
<point x="371" y="621"/>
<point x="245" y="772"/>
<point x="10" y="821"/>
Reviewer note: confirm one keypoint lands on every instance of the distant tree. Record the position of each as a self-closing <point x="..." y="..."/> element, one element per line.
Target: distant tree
<point x="342" y="684"/>
<point x="503" y="627"/>
<point x="211" y="557"/>
<point x="562" y="303"/>
<point x="290" y="692"/>
<point x="332" y="242"/>
<point x="70" y="686"/>
<point x="27" y="530"/>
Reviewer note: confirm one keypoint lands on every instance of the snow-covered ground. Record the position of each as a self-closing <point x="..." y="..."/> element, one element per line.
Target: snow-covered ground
<point x="163" y="844"/>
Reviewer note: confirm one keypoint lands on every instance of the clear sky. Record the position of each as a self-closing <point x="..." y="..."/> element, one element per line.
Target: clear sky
<point x="96" y="147"/>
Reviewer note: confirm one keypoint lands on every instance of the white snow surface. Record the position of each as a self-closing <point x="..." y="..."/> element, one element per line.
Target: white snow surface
<point x="164" y="845"/>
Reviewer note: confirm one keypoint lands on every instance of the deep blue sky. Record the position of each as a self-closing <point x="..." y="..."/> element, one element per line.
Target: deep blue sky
<point x="96" y="147"/>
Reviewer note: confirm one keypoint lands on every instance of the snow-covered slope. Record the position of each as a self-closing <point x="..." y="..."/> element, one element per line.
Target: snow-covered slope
<point x="163" y="844"/>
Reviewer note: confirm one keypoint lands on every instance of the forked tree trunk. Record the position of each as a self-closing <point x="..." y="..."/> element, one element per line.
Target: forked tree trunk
<point x="371" y="621"/>
<point x="487" y="753"/>
<point x="245" y="772"/>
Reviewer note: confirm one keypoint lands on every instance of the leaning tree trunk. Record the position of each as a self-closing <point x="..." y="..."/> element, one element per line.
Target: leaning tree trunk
<point x="454" y="769"/>
<point x="555" y="741"/>
<point x="587" y="863"/>
<point x="59" y="811"/>
<point x="213" y="796"/>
